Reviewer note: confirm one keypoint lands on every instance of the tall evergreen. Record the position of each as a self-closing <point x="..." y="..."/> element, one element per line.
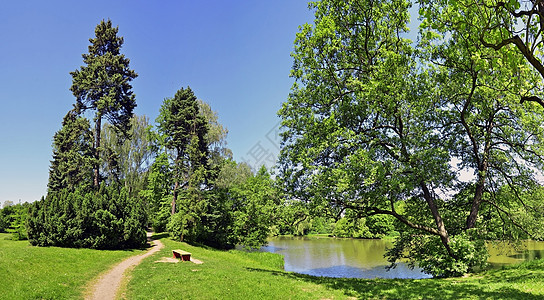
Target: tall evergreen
<point x="72" y="162"/>
<point x="103" y="85"/>
<point x="184" y="130"/>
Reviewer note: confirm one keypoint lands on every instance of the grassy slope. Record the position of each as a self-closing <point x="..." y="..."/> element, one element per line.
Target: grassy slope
<point x="28" y="272"/>
<point x="239" y="275"/>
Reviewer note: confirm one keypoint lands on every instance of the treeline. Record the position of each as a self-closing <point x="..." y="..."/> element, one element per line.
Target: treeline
<point x="113" y="173"/>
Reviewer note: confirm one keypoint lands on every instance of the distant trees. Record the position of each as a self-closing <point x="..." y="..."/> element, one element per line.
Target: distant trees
<point x="13" y="219"/>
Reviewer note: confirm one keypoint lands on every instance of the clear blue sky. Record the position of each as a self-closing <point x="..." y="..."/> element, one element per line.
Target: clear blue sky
<point x="235" y="55"/>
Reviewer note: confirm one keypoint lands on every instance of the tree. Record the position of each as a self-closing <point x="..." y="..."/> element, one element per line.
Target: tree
<point x="502" y="133"/>
<point x="254" y="208"/>
<point x="103" y="86"/>
<point x="126" y="159"/>
<point x="103" y="219"/>
<point x="216" y="137"/>
<point x="73" y="160"/>
<point x="18" y="221"/>
<point x="184" y="130"/>
<point x="382" y="127"/>
<point x="157" y="193"/>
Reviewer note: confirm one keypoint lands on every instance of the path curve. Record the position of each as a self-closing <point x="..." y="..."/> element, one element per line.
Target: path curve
<point x="108" y="284"/>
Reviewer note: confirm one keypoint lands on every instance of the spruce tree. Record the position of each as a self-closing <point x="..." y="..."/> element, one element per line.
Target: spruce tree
<point x="103" y="85"/>
<point x="73" y="161"/>
<point x="184" y="130"/>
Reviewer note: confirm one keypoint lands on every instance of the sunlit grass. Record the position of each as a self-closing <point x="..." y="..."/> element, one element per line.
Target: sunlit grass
<point x="28" y="272"/>
<point x="240" y="275"/>
<point x="223" y="275"/>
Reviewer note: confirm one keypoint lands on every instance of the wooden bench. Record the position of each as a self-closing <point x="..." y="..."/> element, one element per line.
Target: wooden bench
<point x="184" y="255"/>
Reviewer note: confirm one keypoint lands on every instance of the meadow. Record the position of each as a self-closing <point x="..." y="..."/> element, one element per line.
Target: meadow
<point x="59" y="273"/>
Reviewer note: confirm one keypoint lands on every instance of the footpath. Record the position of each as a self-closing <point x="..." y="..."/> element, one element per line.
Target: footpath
<point x="109" y="283"/>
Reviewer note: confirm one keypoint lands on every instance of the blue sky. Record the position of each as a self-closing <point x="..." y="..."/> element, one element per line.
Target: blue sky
<point x="235" y="55"/>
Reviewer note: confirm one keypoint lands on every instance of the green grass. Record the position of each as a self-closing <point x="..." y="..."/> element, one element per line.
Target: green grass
<point x="223" y="275"/>
<point x="28" y="272"/>
<point x="241" y="275"/>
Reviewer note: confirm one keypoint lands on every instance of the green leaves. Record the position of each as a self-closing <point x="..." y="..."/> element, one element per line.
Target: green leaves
<point x="375" y="123"/>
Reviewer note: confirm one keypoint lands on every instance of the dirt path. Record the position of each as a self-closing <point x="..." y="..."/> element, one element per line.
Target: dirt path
<point x="109" y="283"/>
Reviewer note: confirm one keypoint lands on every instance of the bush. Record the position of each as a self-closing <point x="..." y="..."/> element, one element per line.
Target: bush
<point x="14" y="221"/>
<point x="108" y="219"/>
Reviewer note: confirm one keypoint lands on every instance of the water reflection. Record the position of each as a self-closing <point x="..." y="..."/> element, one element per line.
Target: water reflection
<point x="330" y="257"/>
<point x="358" y="258"/>
<point x="503" y="253"/>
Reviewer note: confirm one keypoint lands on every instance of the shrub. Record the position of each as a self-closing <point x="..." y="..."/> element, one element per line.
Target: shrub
<point x="108" y="219"/>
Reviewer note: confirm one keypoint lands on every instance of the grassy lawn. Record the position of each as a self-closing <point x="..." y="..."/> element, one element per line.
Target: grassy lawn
<point x="28" y="272"/>
<point x="240" y="275"/>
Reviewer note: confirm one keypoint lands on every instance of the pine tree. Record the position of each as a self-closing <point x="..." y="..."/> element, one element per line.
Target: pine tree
<point x="103" y="85"/>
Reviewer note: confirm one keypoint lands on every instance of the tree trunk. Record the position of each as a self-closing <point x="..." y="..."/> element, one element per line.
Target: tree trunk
<point x="477" y="200"/>
<point x="442" y="232"/>
<point x="175" y="198"/>
<point x="98" y="129"/>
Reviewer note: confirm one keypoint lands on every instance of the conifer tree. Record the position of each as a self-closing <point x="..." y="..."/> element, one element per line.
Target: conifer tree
<point x="72" y="162"/>
<point x="103" y="85"/>
<point x="184" y="130"/>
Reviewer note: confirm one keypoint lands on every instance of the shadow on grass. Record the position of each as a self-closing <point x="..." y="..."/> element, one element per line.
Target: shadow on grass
<point x="409" y="288"/>
<point x="158" y="236"/>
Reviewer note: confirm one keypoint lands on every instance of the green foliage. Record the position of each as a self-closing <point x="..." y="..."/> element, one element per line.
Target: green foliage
<point x="103" y="85"/>
<point x="157" y="193"/>
<point x="188" y="223"/>
<point x="241" y="212"/>
<point x="370" y="227"/>
<point x="427" y="252"/>
<point x="254" y="209"/>
<point x="13" y="220"/>
<point x="18" y="217"/>
<point x="182" y="131"/>
<point x="127" y="156"/>
<point x="5" y="216"/>
<point x="73" y="160"/>
<point x="108" y="219"/>
<point x="376" y="122"/>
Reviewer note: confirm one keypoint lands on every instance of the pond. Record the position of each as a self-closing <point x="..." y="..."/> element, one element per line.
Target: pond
<point x="360" y="258"/>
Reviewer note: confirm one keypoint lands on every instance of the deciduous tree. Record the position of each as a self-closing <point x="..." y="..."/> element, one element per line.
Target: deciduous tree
<point x="380" y="125"/>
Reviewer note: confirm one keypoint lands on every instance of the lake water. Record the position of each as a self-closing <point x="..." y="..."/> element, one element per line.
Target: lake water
<point x="360" y="258"/>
